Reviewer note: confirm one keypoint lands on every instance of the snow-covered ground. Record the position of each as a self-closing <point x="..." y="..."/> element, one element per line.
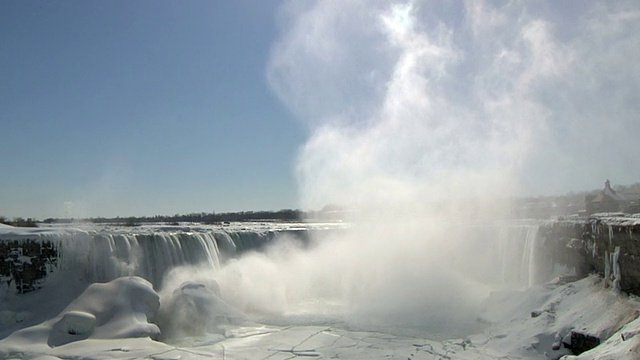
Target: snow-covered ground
<point x="127" y="318"/>
<point x="116" y="320"/>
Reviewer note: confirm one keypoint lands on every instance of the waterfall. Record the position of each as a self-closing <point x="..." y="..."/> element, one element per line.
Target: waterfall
<point x="519" y="253"/>
<point x="149" y="255"/>
<point x="28" y="256"/>
<point x="531" y="249"/>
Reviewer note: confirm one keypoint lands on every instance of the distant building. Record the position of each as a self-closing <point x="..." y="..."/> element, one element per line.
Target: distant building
<point x="608" y="200"/>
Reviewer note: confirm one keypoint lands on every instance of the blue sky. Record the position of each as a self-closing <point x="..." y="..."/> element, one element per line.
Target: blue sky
<point x="162" y="107"/>
<point x="141" y="108"/>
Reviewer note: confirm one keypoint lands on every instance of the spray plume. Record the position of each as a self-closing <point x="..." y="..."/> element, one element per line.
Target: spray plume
<point x="424" y="116"/>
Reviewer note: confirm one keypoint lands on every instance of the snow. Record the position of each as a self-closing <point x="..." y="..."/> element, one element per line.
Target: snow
<point x="115" y="320"/>
<point x="119" y="309"/>
<point x="76" y="323"/>
<point x="615" y="219"/>
<point x="584" y="306"/>
<point x="130" y="317"/>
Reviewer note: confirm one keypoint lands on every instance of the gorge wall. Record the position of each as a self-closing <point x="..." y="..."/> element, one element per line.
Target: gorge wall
<point x="608" y="244"/>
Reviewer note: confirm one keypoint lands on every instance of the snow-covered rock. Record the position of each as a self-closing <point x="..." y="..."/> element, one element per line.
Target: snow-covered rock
<point x="76" y="323"/>
<point x="195" y="309"/>
<point x="562" y="312"/>
<point x="120" y="309"/>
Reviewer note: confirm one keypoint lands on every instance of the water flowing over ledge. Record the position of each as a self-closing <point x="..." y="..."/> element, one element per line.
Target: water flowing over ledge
<point x="28" y="256"/>
<point x="105" y="253"/>
<point x="520" y="253"/>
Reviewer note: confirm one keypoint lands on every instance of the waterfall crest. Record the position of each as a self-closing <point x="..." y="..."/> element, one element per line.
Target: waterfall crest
<point x="31" y="255"/>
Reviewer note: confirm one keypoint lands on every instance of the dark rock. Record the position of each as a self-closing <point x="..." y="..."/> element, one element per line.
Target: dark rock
<point x="581" y="342"/>
<point x="584" y="244"/>
<point x="26" y="262"/>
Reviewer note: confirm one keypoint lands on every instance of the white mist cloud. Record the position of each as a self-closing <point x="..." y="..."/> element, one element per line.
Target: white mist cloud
<point x="421" y="114"/>
<point x="327" y="62"/>
<point x="412" y="137"/>
<point x="415" y="90"/>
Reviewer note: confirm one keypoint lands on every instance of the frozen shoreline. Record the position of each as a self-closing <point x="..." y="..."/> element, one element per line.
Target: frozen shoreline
<point x="513" y="332"/>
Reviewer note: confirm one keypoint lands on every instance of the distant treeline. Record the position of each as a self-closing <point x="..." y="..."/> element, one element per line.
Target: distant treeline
<point x="19" y="222"/>
<point x="203" y="218"/>
<point x="571" y="202"/>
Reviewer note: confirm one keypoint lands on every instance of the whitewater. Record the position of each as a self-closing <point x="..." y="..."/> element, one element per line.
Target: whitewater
<point x="249" y="291"/>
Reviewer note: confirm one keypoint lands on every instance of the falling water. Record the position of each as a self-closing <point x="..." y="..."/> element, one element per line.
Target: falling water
<point x="104" y="255"/>
<point x="519" y="254"/>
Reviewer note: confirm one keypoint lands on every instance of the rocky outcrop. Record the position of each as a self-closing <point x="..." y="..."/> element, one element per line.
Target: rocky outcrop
<point x="582" y="342"/>
<point x="609" y="245"/>
<point x="25" y="263"/>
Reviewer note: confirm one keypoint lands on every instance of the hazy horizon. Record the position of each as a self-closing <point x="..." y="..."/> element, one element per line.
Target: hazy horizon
<point x="332" y="206"/>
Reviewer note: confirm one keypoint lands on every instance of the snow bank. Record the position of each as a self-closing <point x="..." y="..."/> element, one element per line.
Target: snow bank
<point x="120" y="309"/>
<point x="113" y="320"/>
<point x="538" y="320"/>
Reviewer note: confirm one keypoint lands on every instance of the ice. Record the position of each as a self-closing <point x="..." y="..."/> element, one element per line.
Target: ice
<point x="512" y="334"/>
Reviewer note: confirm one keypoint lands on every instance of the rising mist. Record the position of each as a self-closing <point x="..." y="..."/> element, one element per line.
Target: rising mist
<point x="424" y="118"/>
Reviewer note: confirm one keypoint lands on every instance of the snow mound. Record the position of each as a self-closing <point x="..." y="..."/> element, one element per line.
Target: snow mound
<point x="122" y="308"/>
<point x="76" y="323"/>
<point x="118" y="309"/>
<point x="195" y="309"/>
